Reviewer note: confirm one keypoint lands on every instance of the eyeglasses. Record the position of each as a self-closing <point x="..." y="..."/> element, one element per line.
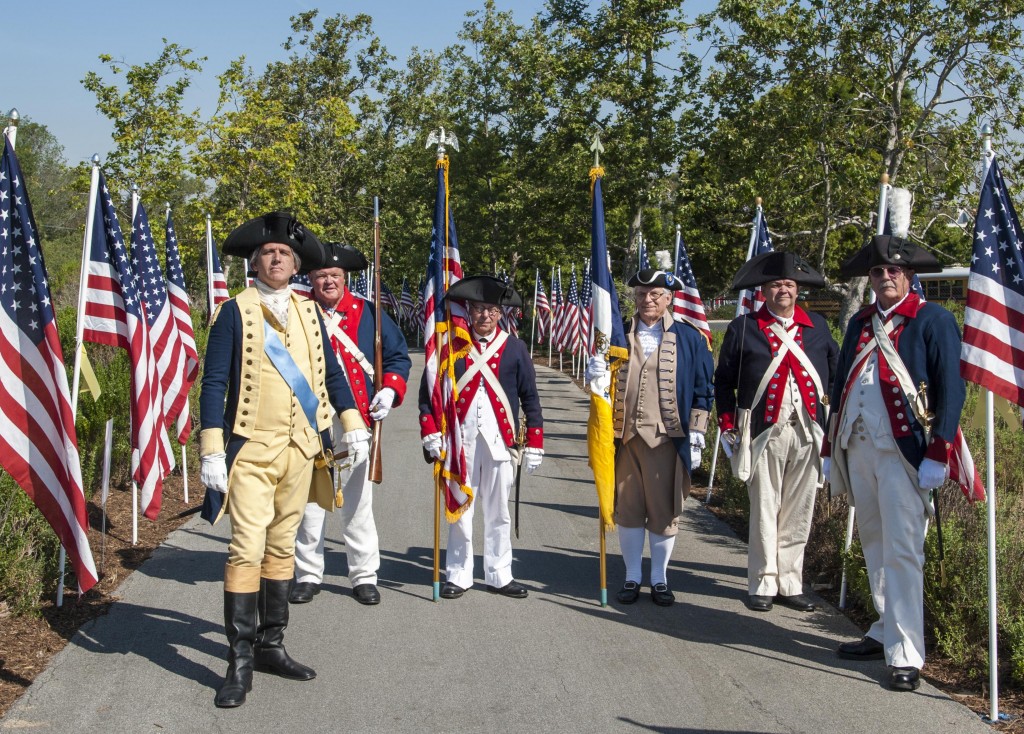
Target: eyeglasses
<point x="880" y="271"/>
<point x="481" y="308"/>
<point x="653" y="295"/>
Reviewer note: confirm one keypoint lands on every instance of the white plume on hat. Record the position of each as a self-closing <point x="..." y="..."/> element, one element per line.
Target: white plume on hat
<point x="900" y="201"/>
<point x="664" y="260"/>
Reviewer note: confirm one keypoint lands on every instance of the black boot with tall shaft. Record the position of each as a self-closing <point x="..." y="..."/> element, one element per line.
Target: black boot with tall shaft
<point x="240" y="627"/>
<point x="273" y="618"/>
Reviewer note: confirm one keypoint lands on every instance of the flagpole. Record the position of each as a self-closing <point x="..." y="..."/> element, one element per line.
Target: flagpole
<point x="551" y="302"/>
<point x="990" y="478"/>
<point x="883" y="208"/>
<point x="533" y="333"/>
<point x="560" y="348"/>
<point x="135" y="486"/>
<point x="90" y="217"/>
<point x="12" y="126"/>
<point x="209" y="270"/>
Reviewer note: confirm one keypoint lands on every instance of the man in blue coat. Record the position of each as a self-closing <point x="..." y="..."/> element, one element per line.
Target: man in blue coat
<point x="265" y="410"/>
<point x="351" y="326"/>
<point x="895" y="410"/>
<point x="496" y="381"/>
<point x="662" y="401"/>
<point x="774" y="374"/>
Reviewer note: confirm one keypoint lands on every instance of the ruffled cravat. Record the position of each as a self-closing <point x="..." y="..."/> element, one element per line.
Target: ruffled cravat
<point x="276" y="301"/>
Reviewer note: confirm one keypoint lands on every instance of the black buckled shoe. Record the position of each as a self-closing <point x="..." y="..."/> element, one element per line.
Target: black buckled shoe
<point x="303" y="593"/>
<point x="866" y="648"/>
<point x="759" y="603"/>
<point x="366" y="594"/>
<point x="905" y="679"/>
<point x="512" y="590"/>
<point x="662" y="595"/>
<point x="629" y="593"/>
<point x="798" y="602"/>
<point x="451" y="591"/>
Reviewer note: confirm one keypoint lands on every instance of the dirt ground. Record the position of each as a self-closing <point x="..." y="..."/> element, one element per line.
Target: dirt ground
<point x="28" y="643"/>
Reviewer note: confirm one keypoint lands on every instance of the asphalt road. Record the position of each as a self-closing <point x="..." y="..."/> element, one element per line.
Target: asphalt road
<point x="556" y="661"/>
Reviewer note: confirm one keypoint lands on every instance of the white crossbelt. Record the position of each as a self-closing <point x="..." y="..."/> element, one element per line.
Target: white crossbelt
<point x="918" y="400"/>
<point x="334" y="329"/>
<point x="481" y="365"/>
<point x="797" y="351"/>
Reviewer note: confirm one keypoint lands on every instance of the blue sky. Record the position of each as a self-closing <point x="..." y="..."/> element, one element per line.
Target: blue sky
<point x="50" y="45"/>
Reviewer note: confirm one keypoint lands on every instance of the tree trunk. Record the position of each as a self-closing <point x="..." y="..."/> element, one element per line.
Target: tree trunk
<point x="852" y="301"/>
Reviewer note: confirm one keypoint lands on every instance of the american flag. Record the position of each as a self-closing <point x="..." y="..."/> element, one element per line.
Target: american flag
<point x="586" y="313"/>
<point x="114" y="315"/>
<point x="642" y="261"/>
<point x="168" y="350"/>
<point x="510" y="314"/>
<point x="183" y="318"/>
<point x="445" y="339"/>
<point x="38" y="444"/>
<point x="388" y="299"/>
<point x="751" y="300"/>
<point x="557" y="306"/>
<point x="419" y="308"/>
<point x="301" y="285"/>
<point x="408" y="306"/>
<point x="687" y="305"/>
<point x="217" y="290"/>
<point x="568" y="331"/>
<point x="543" y="312"/>
<point x="359" y="285"/>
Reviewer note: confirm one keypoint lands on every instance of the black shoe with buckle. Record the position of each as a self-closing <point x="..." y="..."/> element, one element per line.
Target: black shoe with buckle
<point x="759" y="603"/>
<point x="905" y="679"/>
<point x="303" y="593"/>
<point x="512" y="590"/>
<point x="366" y="594"/>
<point x="662" y="595"/>
<point x="866" y="648"/>
<point x="629" y="593"/>
<point x="451" y="591"/>
<point x="798" y="602"/>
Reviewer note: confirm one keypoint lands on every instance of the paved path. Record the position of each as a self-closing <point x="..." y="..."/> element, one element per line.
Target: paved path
<point x="556" y="661"/>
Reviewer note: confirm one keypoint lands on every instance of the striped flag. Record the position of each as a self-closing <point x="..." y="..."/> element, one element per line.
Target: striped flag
<point x="388" y="300"/>
<point x="586" y="313"/>
<point x="178" y="295"/>
<point x="408" y="306"/>
<point x="686" y="304"/>
<point x="114" y="315"/>
<point x="557" y="306"/>
<point x="419" y="308"/>
<point x="217" y="284"/>
<point x="301" y="285"/>
<point x="38" y="443"/>
<point x="751" y="299"/>
<point x="543" y="309"/>
<point x="610" y="340"/>
<point x="164" y="340"/>
<point x="510" y="315"/>
<point x="359" y="285"/>
<point x="568" y="333"/>
<point x="445" y="339"/>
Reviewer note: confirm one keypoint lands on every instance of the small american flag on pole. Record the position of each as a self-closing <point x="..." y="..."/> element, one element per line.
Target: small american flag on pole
<point x="178" y="295"/>
<point x="687" y="304"/>
<point x="38" y="443"/>
<point x="568" y="332"/>
<point x="218" y="284"/>
<point x="301" y="285"/>
<point x="751" y="300"/>
<point x="408" y="307"/>
<point x="586" y="313"/>
<point x="543" y="311"/>
<point x="114" y="315"/>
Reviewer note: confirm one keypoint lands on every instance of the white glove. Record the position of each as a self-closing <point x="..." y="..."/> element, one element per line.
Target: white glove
<point x="597" y="368"/>
<point x="432" y="445"/>
<point x="931" y="474"/>
<point x="381" y="404"/>
<point x="729" y="439"/>
<point x="213" y="472"/>
<point x="826" y="468"/>
<point x="532" y="458"/>
<point x="358" y="443"/>
<point x="696" y="446"/>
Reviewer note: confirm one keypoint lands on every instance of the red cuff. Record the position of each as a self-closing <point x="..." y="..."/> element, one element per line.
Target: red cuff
<point x="535" y="438"/>
<point x="725" y="421"/>
<point x="427" y="425"/>
<point x="938" y="450"/>
<point x="826" y="448"/>
<point x="396" y="383"/>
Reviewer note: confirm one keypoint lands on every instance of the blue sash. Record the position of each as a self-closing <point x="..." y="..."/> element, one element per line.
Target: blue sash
<point x="284" y="363"/>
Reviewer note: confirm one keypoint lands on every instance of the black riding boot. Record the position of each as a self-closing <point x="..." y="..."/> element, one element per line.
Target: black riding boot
<point x="240" y="627"/>
<point x="273" y="614"/>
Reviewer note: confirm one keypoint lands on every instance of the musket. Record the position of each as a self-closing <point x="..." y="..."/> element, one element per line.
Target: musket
<point x="376" y="468"/>
<point x="519" y="468"/>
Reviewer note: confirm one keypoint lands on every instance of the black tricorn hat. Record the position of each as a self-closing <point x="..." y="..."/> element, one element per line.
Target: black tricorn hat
<point x="654" y="278"/>
<point x="776" y="265"/>
<point x="485" y="289"/>
<point x="885" y="249"/>
<point x="345" y="257"/>
<point x="279" y="227"/>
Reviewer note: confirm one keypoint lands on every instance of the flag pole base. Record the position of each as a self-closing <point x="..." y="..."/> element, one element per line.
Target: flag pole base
<point x="437" y="590"/>
<point x="604" y="597"/>
<point x="1001" y="718"/>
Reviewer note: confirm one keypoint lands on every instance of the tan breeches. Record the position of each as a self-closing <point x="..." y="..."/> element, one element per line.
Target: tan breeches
<point x="266" y="502"/>
<point x="649" y="486"/>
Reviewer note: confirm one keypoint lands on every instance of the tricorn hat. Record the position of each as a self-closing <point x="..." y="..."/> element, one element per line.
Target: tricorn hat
<point x="485" y="289"/>
<point x="654" y="278"/>
<point x="886" y="249"/>
<point x="345" y="257"/>
<point x="776" y="265"/>
<point x="279" y="227"/>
